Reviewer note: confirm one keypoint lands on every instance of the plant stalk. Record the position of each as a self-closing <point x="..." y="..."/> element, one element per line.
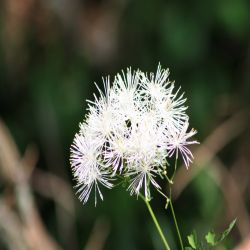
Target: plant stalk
<point x="156" y="223"/>
<point x="176" y="224"/>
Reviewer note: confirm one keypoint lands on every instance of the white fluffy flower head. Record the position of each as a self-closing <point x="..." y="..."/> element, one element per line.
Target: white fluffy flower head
<point x="133" y="128"/>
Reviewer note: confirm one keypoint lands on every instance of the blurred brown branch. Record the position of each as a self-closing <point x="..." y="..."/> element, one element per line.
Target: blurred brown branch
<point x="220" y="137"/>
<point x="206" y="153"/>
<point x="245" y="245"/>
<point x="55" y="188"/>
<point x="20" y="221"/>
<point x="233" y="197"/>
<point x="98" y="235"/>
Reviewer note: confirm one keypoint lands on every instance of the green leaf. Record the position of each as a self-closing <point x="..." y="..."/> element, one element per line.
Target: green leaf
<point x="227" y="231"/>
<point x="210" y="238"/>
<point x="191" y="241"/>
<point x="188" y="248"/>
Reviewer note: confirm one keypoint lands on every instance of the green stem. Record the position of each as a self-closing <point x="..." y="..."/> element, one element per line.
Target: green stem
<point x="171" y="204"/>
<point x="156" y="223"/>
<point x="175" y="167"/>
<point x="176" y="224"/>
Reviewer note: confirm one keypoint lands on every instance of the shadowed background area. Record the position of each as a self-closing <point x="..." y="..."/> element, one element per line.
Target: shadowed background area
<point x="52" y="52"/>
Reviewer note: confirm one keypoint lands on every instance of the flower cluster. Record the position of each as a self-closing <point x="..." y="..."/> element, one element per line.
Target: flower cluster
<point x="131" y="129"/>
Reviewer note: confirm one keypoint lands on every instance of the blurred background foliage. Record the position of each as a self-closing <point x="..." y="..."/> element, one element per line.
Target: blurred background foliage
<point x="52" y="52"/>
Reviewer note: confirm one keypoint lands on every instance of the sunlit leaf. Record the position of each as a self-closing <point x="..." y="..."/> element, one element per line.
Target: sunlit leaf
<point x="210" y="238"/>
<point x="191" y="241"/>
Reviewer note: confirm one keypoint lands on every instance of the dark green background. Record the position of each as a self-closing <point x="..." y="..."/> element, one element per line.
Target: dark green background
<point x="52" y="52"/>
